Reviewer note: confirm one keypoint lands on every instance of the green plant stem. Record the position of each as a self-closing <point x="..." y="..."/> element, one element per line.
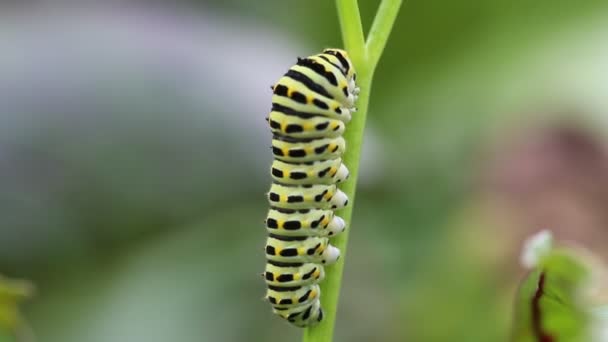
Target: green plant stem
<point x="381" y="29"/>
<point x="352" y="30"/>
<point x="330" y="287"/>
<point x="365" y="57"/>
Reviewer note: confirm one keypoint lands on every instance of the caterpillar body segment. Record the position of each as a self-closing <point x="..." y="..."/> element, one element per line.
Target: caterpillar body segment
<point x="318" y="196"/>
<point x="302" y="316"/>
<point x="294" y="94"/>
<point x="293" y="275"/>
<point x="285" y="297"/>
<point x="308" y="249"/>
<point x="288" y="105"/>
<point x="294" y="151"/>
<point x="329" y="171"/>
<point x="309" y="222"/>
<point x="297" y="127"/>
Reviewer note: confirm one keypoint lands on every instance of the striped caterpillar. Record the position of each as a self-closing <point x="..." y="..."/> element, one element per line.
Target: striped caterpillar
<point x="311" y="105"/>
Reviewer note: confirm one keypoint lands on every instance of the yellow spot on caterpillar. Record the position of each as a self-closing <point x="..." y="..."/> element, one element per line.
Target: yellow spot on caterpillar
<point x="301" y="251"/>
<point x="280" y="223"/>
<point x="309" y="99"/>
<point x="285" y="151"/>
<point x="326" y="221"/>
<point x="313" y="294"/>
<point x="332" y="171"/>
<point x="308" y="127"/>
<point x="317" y="274"/>
<point x="297" y="276"/>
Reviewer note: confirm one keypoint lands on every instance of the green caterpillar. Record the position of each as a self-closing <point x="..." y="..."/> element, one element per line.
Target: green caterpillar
<point x="311" y="105"/>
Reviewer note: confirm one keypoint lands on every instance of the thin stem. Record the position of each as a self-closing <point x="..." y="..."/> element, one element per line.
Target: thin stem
<point x="330" y="287"/>
<point x="381" y="29"/>
<point x="352" y="32"/>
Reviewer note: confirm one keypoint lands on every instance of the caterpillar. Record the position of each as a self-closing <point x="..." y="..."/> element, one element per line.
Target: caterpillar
<point x="311" y="105"/>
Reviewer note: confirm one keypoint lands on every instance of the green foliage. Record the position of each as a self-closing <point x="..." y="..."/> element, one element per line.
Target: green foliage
<point x="549" y="305"/>
<point x="12" y="293"/>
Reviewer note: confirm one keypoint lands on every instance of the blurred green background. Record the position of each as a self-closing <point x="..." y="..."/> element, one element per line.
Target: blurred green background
<point x="134" y="161"/>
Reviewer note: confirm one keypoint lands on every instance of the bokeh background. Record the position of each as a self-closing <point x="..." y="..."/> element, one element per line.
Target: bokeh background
<point x="134" y="161"/>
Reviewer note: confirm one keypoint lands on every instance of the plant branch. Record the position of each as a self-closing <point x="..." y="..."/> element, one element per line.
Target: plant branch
<point x="352" y="33"/>
<point x="381" y="29"/>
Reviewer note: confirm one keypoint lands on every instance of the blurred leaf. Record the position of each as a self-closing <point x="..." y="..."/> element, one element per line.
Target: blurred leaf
<point x="12" y="293"/>
<point x="549" y="307"/>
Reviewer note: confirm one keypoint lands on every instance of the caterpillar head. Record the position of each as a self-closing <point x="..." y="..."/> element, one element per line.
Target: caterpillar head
<point x="346" y="64"/>
<point x="347" y="67"/>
